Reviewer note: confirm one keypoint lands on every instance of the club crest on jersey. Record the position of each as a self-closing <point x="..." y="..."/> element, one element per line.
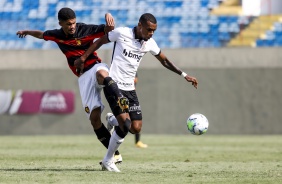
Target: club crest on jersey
<point x="78" y="42"/>
<point x="132" y="55"/>
<point x="87" y="109"/>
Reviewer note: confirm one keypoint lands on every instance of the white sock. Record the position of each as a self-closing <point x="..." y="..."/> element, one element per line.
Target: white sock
<point x="113" y="121"/>
<point x="115" y="142"/>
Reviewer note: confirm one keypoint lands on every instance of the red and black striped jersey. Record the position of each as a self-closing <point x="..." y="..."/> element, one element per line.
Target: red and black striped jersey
<point x="74" y="46"/>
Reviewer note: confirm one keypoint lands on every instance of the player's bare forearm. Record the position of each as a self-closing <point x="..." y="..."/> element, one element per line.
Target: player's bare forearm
<point x="34" y="33"/>
<point x="95" y="46"/>
<point x="108" y="29"/>
<point x="168" y="64"/>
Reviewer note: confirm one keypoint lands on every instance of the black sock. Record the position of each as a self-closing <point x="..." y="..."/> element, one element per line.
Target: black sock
<point x="117" y="152"/>
<point x="126" y="128"/>
<point x="104" y="136"/>
<point x="137" y="138"/>
<point x="120" y="133"/>
<point x="112" y="88"/>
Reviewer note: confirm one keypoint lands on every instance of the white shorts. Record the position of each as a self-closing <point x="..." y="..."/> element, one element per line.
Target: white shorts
<point x="90" y="90"/>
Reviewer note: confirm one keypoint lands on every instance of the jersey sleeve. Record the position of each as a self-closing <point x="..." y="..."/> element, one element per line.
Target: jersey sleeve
<point x="154" y="48"/>
<point x="114" y="34"/>
<point x="96" y="28"/>
<point x="90" y="29"/>
<point x="50" y="34"/>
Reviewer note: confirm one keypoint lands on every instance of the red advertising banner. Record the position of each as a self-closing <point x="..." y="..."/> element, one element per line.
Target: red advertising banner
<point x="33" y="102"/>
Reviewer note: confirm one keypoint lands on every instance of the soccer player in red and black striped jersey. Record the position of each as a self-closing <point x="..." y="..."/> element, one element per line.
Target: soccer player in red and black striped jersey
<point x="74" y="39"/>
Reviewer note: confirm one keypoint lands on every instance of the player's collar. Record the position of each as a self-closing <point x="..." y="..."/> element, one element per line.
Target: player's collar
<point x="135" y="35"/>
<point x="69" y="36"/>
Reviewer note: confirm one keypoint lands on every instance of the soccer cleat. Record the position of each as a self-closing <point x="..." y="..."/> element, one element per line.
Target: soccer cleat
<point x="123" y="103"/>
<point x="140" y="144"/>
<point x="108" y="165"/>
<point x="109" y="126"/>
<point x="117" y="159"/>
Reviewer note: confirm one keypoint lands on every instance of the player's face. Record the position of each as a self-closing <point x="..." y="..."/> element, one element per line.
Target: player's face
<point x="147" y="30"/>
<point x="68" y="26"/>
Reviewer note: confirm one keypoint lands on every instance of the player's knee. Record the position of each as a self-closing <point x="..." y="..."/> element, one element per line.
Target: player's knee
<point x="136" y="128"/>
<point x="107" y="81"/>
<point x="101" y="75"/>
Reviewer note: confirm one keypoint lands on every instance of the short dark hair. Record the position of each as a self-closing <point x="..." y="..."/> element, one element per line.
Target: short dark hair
<point x="147" y="17"/>
<point x="66" y="14"/>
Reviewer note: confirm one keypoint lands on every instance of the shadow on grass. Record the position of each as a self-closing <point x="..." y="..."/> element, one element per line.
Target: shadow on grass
<point x="49" y="169"/>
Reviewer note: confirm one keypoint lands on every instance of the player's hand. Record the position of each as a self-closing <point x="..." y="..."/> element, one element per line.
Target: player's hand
<point x="22" y="34"/>
<point x="193" y="80"/>
<point x="79" y="64"/>
<point x="110" y="23"/>
<point x="109" y="20"/>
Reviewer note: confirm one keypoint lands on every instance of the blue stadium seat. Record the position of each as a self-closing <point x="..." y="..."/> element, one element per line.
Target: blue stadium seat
<point x="52" y="10"/>
<point x="260" y="43"/>
<point x="265" y="43"/>
<point x="216" y="43"/>
<point x="278" y="33"/>
<point x="223" y="19"/>
<point x="224" y="36"/>
<point x="204" y="3"/>
<point x="278" y="42"/>
<point x="269" y="42"/>
<point x="270" y="35"/>
<point x="173" y="3"/>
<point x="278" y="26"/>
<point x="223" y="28"/>
<point x="189" y="21"/>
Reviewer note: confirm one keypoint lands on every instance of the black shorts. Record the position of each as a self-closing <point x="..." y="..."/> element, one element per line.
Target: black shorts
<point x="135" y="112"/>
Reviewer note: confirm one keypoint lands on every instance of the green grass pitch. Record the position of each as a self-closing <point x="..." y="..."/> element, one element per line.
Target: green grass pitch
<point x="172" y="159"/>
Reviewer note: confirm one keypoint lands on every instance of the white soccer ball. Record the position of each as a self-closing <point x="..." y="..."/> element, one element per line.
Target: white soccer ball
<point x="197" y="124"/>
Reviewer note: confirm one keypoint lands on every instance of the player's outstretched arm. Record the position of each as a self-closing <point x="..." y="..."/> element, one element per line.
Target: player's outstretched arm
<point x="171" y="66"/>
<point x="110" y="22"/>
<point x="78" y="63"/>
<point x="34" y="33"/>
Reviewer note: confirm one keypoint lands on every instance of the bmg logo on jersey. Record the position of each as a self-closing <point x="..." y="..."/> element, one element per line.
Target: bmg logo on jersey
<point x="132" y="55"/>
